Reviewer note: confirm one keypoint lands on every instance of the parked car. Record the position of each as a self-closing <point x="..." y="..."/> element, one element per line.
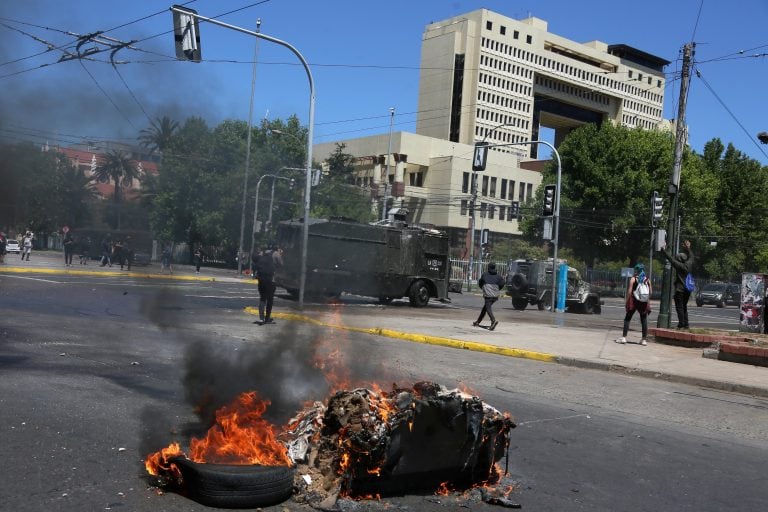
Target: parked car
<point x="719" y="294"/>
<point x="12" y="246"/>
<point x="530" y="282"/>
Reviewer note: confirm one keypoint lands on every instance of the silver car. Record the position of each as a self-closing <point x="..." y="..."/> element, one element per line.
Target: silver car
<point x="13" y="246"/>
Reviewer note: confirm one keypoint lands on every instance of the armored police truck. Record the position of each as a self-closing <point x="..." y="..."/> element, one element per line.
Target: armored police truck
<point x="385" y="260"/>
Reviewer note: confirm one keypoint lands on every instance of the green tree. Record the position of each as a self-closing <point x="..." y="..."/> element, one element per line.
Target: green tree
<point x="337" y="196"/>
<point x="608" y="175"/>
<point x="157" y="137"/>
<point x="119" y="168"/>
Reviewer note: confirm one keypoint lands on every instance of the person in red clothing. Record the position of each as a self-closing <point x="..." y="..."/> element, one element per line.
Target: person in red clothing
<point x="638" y="299"/>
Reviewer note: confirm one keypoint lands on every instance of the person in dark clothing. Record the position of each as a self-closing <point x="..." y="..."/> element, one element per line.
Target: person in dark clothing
<point x="198" y="255"/>
<point x="491" y="283"/>
<point x="265" y="266"/>
<point x="126" y="253"/>
<point x="85" y="250"/>
<point x="106" y="251"/>
<point x="634" y="303"/>
<point x="683" y="264"/>
<point x="69" y="248"/>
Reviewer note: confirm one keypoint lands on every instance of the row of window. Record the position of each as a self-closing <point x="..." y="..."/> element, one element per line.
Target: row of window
<point x="503" y="31"/>
<point x="596" y="78"/>
<point x="634" y="120"/>
<point x="500" y="118"/>
<point x="488" y="211"/>
<point x="506" y="67"/>
<point x="503" y="101"/>
<point x="488" y="187"/>
<point x="415" y="179"/>
<point x="556" y="85"/>
<point x="509" y="85"/>
<point x="643" y="108"/>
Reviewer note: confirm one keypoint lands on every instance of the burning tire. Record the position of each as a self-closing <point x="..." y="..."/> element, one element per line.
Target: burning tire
<point x="230" y="486"/>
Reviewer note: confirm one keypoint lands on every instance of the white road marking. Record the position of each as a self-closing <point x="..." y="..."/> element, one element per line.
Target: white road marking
<point x="35" y="279"/>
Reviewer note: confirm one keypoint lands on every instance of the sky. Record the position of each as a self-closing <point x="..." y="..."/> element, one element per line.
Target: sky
<point x="364" y="57"/>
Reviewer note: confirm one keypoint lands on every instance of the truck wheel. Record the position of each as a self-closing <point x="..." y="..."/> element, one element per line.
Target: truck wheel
<point x="518" y="282"/>
<point x="418" y="295"/>
<point x="588" y="307"/>
<point x="519" y="303"/>
<point x="541" y="305"/>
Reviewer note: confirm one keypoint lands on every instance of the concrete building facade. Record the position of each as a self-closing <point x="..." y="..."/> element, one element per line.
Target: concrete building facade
<point x="432" y="178"/>
<point x="481" y="69"/>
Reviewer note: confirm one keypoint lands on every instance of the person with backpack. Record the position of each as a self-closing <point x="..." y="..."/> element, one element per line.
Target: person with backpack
<point x="491" y="283"/>
<point x="265" y="266"/>
<point x="683" y="283"/>
<point x="638" y="299"/>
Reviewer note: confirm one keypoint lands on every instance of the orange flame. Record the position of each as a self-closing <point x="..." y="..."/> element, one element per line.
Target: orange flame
<point x="240" y="436"/>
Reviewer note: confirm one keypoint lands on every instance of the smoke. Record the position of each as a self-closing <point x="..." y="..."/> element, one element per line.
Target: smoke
<point x="64" y="102"/>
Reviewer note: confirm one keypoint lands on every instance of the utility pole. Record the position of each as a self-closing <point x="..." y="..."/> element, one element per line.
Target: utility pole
<point x="386" y="173"/>
<point x="674" y="184"/>
<point x="471" y="233"/>
<point x="248" y="155"/>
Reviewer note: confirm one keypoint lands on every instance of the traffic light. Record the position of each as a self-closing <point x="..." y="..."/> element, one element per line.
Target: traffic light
<point x="549" y="200"/>
<point x="657" y="204"/>
<point x="514" y="210"/>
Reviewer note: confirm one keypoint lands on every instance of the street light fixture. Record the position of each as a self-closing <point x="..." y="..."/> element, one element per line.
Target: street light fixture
<point x="310" y="129"/>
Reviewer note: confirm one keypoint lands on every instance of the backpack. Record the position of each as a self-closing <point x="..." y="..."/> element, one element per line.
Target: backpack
<point x="642" y="291"/>
<point x="690" y="284"/>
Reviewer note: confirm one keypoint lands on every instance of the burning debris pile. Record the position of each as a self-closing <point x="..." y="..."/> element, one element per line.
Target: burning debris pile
<point x="364" y="443"/>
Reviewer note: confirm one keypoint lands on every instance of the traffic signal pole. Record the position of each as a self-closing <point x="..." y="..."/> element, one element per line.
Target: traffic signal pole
<point x="663" y="320"/>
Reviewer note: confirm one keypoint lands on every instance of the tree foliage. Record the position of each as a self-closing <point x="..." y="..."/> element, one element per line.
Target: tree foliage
<point x="337" y="196"/>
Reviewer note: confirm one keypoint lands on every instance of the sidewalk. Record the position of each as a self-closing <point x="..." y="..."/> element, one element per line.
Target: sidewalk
<point x="585" y="348"/>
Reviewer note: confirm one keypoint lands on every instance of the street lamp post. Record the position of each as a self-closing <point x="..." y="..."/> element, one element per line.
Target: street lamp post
<point x="386" y="173"/>
<point x="310" y="131"/>
<point x="256" y="204"/>
<point x="556" y="219"/>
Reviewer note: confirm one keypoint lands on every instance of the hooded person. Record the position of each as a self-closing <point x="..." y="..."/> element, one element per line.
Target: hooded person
<point x="682" y="262"/>
<point x="491" y="283"/>
<point x="638" y="299"/>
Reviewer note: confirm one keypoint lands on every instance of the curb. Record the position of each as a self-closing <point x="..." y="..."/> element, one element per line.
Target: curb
<point x="420" y="338"/>
<point x="528" y="354"/>
<point x="116" y="273"/>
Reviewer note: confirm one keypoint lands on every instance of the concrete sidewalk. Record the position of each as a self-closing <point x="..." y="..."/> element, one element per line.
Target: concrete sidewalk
<point x="553" y="342"/>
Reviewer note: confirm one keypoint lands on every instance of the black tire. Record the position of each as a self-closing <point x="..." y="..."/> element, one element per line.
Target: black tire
<point x="228" y="486"/>
<point x="699" y="303"/>
<point x="721" y="304"/>
<point x="519" y="303"/>
<point x="588" y="308"/>
<point x="541" y="305"/>
<point x="418" y="294"/>
<point x="518" y="283"/>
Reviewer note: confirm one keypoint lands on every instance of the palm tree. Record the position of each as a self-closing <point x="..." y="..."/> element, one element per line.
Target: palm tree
<point x="119" y="168"/>
<point x="159" y="134"/>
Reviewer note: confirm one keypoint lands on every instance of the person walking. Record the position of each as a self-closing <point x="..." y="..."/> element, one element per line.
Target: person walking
<point x="69" y="248"/>
<point x="198" y="255"/>
<point x="165" y="261"/>
<point x="106" y="251"/>
<point x="266" y="264"/>
<point x="85" y="250"/>
<point x="126" y="253"/>
<point x="638" y="299"/>
<point x="3" y="244"/>
<point x="683" y="265"/>
<point x="26" y="244"/>
<point x="491" y="283"/>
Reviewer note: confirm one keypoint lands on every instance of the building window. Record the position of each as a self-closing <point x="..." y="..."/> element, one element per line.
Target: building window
<point x="530" y="190"/>
<point x="516" y="35"/>
<point x="502" y="212"/>
<point x="491" y="209"/>
<point x="529" y="39"/>
<point x="493" y="187"/>
<point x="416" y="179"/>
<point x="502" y="29"/>
<point x="463" y="210"/>
<point x="485" y="186"/>
<point x="511" y="195"/>
<point x="521" y="193"/>
<point x="465" y="183"/>
<point x="503" y="193"/>
<point x="483" y="209"/>
<point x="489" y="25"/>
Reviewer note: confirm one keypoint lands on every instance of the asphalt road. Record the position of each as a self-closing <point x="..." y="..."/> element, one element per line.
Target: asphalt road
<point x="98" y="372"/>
